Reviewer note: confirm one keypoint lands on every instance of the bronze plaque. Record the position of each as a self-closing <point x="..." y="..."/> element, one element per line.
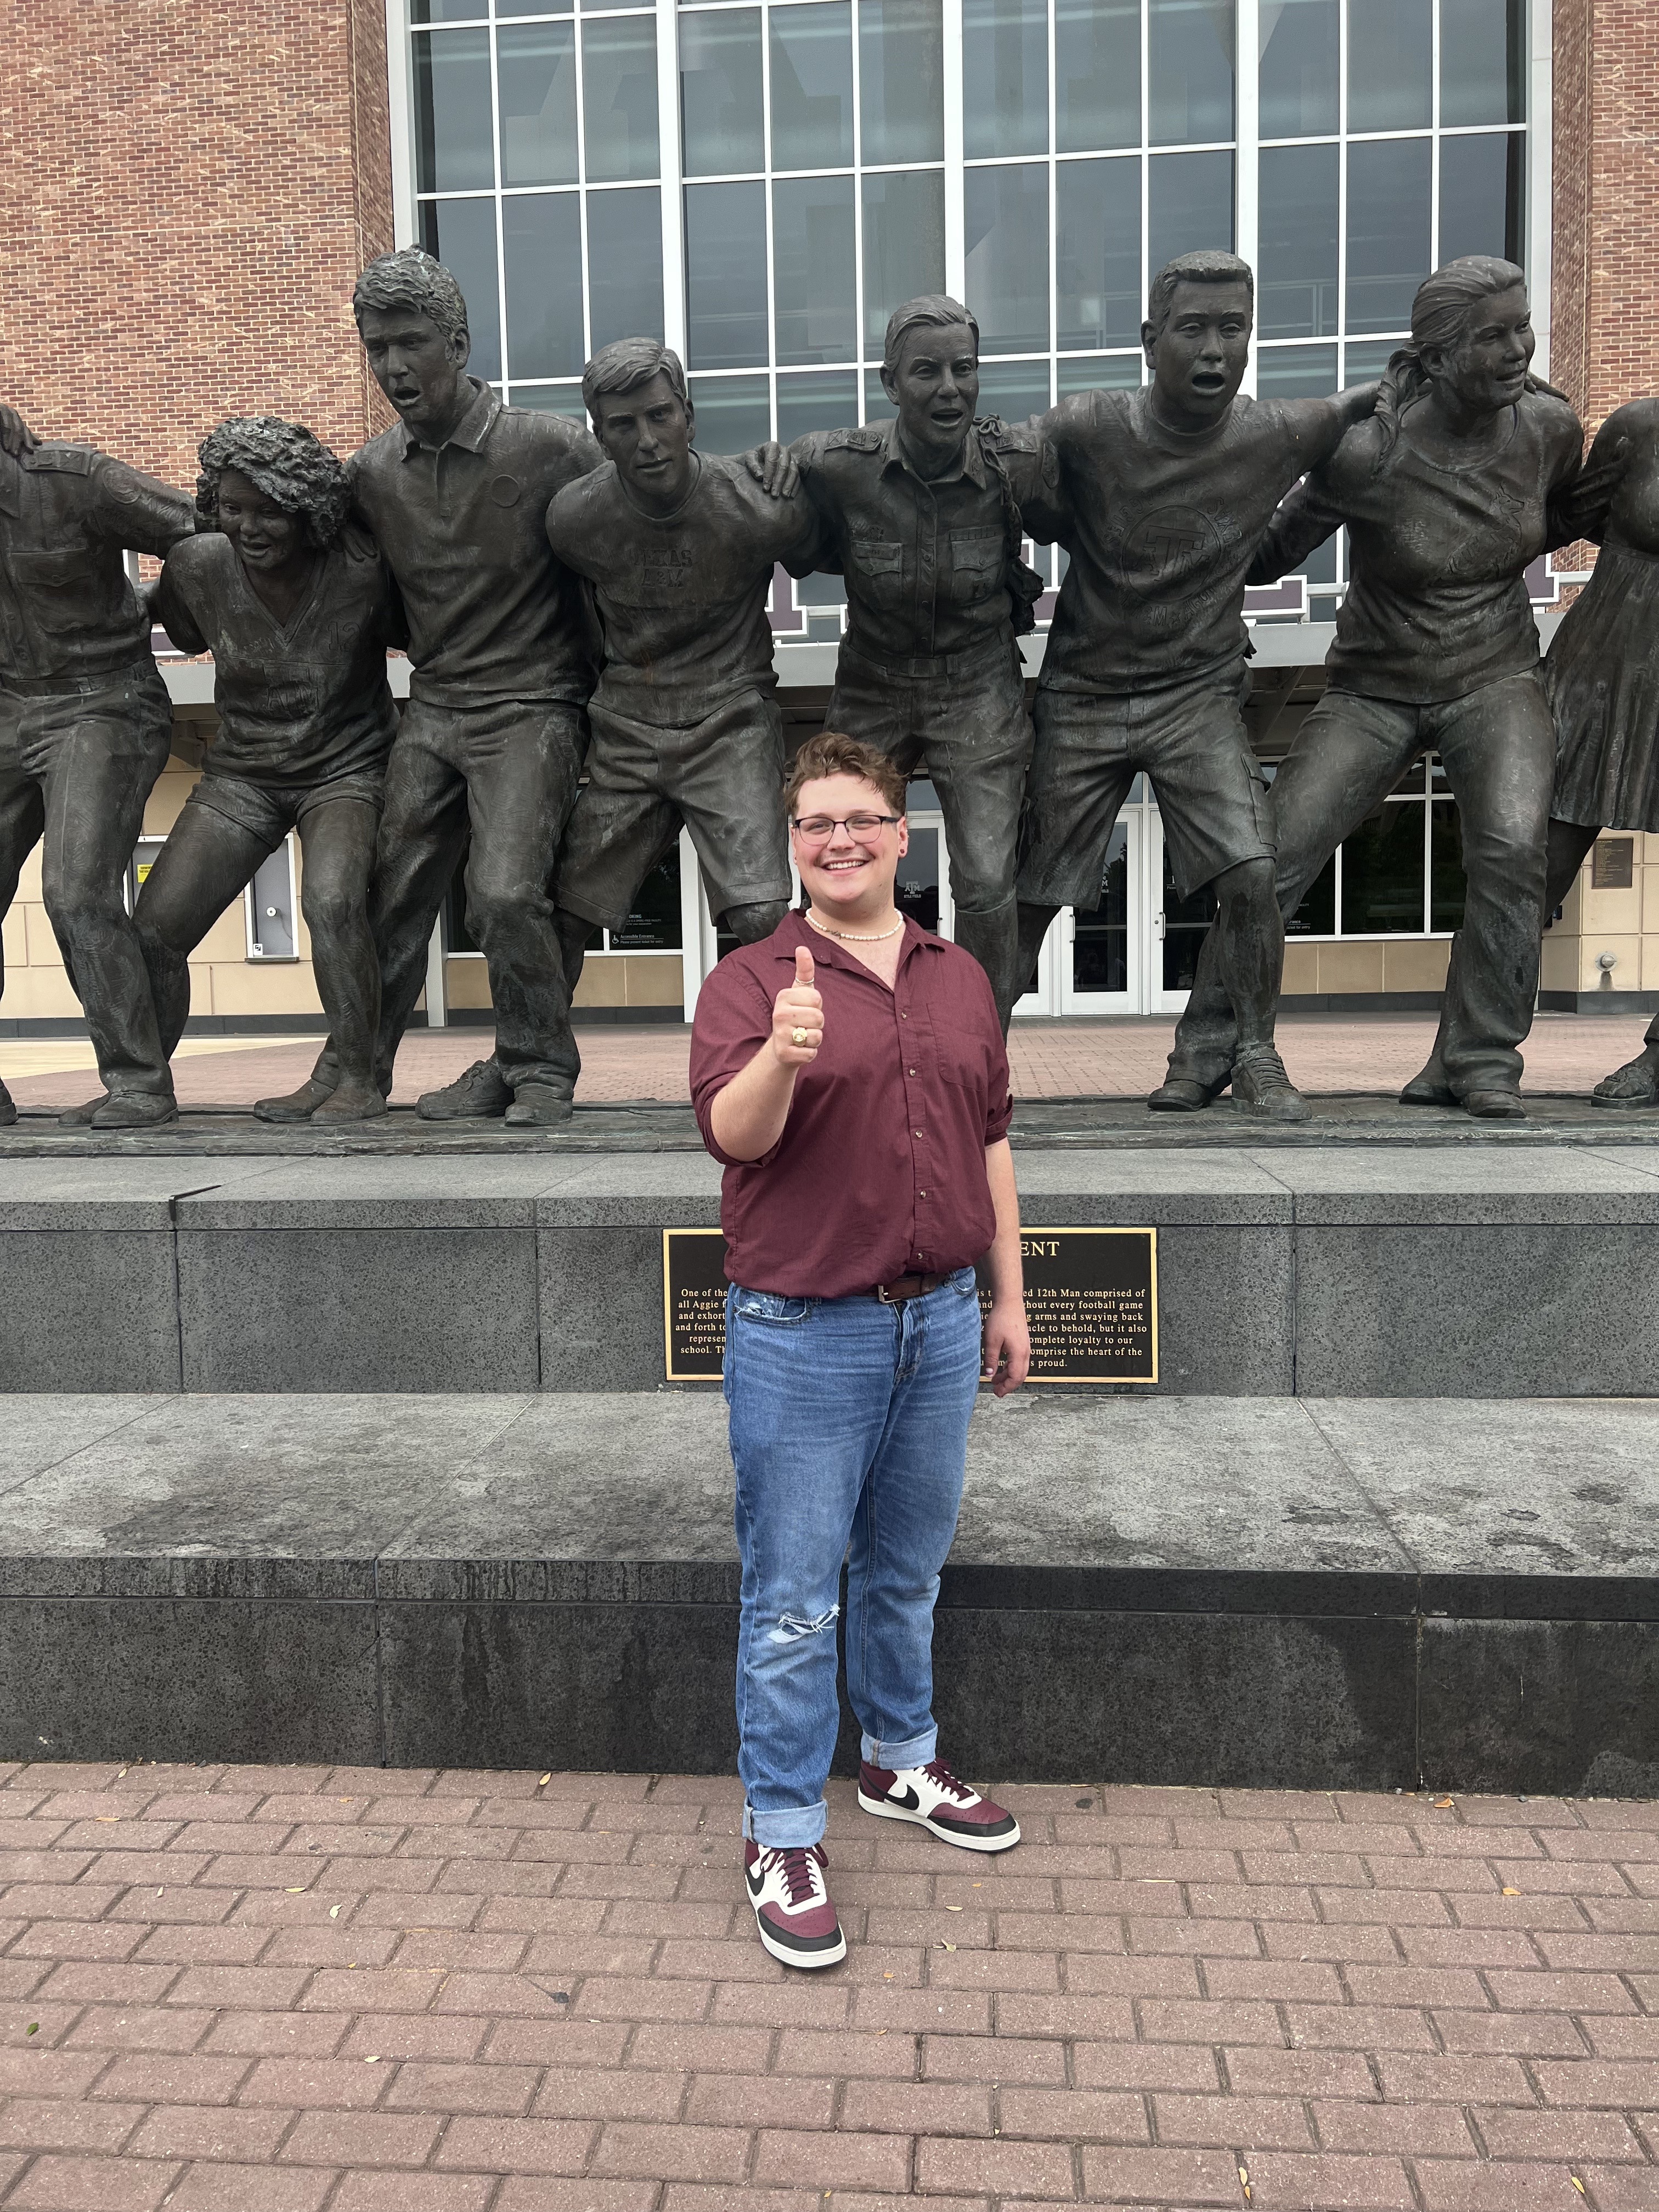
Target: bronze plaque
<point x="1613" y="864"/>
<point x="1092" y="1304"/>
<point x="694" y="1304"/>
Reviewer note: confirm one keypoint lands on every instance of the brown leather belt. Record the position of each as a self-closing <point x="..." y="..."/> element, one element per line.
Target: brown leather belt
<point x="905" y="1287"/>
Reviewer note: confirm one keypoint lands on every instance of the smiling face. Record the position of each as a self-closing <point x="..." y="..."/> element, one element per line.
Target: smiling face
<point x="264" y="536"/>
<point x="934" y="385"/>
<point x="1486" y="369"/>
<point x="1198" y="358"/>
<point x="419" y="369"/>
<point x="844" y="874"/>
<point x="648" y="433"/>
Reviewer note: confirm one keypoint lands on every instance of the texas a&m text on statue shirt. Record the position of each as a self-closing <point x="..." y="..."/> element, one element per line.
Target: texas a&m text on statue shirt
<point x="880" y="1170"/>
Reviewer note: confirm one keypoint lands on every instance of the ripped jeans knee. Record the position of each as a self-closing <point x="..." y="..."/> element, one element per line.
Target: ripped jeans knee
<point x="792" y="1627"/>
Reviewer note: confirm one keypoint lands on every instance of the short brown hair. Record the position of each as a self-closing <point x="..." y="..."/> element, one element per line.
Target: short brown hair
<point x="832" y="754"/>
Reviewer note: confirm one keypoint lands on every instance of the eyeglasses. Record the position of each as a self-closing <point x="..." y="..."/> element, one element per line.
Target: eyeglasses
<point x="863" y="828"/>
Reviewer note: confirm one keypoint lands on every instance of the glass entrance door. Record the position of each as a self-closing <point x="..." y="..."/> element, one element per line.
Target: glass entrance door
<point x="1179" y="927"/>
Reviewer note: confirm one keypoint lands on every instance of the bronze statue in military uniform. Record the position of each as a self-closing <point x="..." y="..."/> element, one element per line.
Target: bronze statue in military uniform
<point x="923" y="518"/>
<point x="85" y="729"/>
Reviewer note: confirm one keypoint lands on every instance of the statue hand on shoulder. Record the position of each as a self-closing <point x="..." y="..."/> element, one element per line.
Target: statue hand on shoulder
<point x="1358" y="402"/>
<point x="15" y="435"/>
<point x="775" y="468"/>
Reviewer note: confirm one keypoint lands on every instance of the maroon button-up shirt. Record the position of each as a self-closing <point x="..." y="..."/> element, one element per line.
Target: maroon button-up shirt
<point x="880" y="1170"/>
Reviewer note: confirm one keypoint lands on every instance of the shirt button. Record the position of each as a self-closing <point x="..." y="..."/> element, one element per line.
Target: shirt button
<point x="922" y="1193"/>
<point x="916" y="1133"/>
<point x="909" y="1071"/>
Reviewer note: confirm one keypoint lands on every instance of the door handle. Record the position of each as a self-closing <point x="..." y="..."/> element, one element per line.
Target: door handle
<point x="1158" y="925"/>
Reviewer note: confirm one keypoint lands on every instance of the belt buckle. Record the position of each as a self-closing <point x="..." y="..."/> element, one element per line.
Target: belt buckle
<point x="883" y="1298"/>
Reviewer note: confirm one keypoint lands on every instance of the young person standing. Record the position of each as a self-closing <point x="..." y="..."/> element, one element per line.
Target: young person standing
<point x="853" y="1344"/>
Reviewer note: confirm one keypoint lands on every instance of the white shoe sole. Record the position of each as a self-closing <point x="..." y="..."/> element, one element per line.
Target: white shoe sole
<point x="809" y="1960"/>
<point x="883" y="1811"/>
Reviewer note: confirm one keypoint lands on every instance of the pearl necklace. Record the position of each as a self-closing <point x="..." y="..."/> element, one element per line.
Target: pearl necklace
<point x="855" y="936"/>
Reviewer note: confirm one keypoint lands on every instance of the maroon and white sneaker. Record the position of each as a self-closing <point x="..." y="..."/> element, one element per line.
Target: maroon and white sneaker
<point x="793" y="1911"/>
<point x="932" y="1797"/>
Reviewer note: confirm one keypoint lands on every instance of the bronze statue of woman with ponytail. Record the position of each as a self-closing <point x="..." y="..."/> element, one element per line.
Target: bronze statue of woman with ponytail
<point x="1448" y="493"/>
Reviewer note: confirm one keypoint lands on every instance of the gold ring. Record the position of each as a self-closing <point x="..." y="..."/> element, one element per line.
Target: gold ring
<point x="797" y="1037"/>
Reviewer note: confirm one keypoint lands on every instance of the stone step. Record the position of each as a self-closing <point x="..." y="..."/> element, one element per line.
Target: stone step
<point x="1319" y="1270"/>
<point x="1276" y="1593"/>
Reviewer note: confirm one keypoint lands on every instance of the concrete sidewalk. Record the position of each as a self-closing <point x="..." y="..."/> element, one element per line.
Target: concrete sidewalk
<point x="299" y="1989"/>
<point x="1324" y="1052"/>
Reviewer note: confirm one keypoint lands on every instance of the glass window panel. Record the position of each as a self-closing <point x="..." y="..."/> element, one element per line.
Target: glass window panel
<point x="624" y="266"/>
<point x="900" y="81"/>
<point x="1097" y="74"/>
<point x="533" y="7"/>
<point x="1383" y="874"/>
<point x="1387" y="231"/>
<point x="1482" y="62"/>
<point x="1013" y="389"/>
<point x="619" y="98"/>
<point x="1298" y="86"/>
<point x="536" y="77"/>
<point x="454" y="127"/>
<point x="1363" y="364"/>
<point x="1481" y="195"/>
<point x="1100" y="942"/>
<point x="827" y="401"/>
<point x="1296" y="256"/>
<point x="1448" y="884"/>
<point x="461" y="233"/>
<point x="733" y="412"/>
<point x="1306" y="372"/>
<point x="542" y="242"/>
<point x="1006" y="230"/>
<point x="1316" y="915"/>
<point x="877" y="407"/>
<point x="1190" y="205"/>
<point x="726" y="324"/>
<point x="1390" y="64"/>
<point x="654" y="922"/>
<point x="813" y="86"/>
<point x="1097" y="252"/>
<point x="1189" y="70"/>
<point x="720" y="97"/>
<point x="1004" y="77"/>
<point x="551" y="399"/>
<point x="903" y="244"/>
<point x="449" y="11"/>
<point x="814" y="276"/>
<point x="1101" y="372"/>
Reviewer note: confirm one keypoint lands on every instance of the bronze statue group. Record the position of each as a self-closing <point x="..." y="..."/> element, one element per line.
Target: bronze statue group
<point x="592" y="669"/>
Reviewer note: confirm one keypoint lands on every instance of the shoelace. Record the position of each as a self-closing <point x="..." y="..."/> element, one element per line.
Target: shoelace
<point x="800" y="1866"/>
<point x="942" y="1778"/>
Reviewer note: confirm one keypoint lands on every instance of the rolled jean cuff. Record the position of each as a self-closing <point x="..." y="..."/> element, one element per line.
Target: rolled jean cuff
<point x="913" y="1750"/>
<point x="789" y="1830"/>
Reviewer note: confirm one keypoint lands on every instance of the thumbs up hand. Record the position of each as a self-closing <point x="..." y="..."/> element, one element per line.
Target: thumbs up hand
<point x="797" y="1017"/>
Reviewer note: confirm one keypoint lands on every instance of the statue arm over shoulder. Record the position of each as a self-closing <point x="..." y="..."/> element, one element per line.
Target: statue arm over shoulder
<point x="167" y="606"/>
<point x="1579" y="504"/>
<point x="140" y="513"/>
<point x="1304" y="519"/>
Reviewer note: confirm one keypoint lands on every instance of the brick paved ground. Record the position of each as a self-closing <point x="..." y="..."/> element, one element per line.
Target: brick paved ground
<point x="257" y="1990"/>
<point x="1049" y="1060"/>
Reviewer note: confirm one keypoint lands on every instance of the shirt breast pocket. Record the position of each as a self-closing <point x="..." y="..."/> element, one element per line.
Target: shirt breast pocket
<point x="977" y="563"/>
<point x="879" y="565"/>
<point x="65" y="588"/>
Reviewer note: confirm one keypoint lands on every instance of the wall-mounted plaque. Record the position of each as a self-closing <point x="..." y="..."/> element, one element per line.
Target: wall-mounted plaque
<point x="1613" y="864"/>
<point x="1092" y="1304"/>
<point x="1090" y="1298"/>
<point x="694" y="1304"/>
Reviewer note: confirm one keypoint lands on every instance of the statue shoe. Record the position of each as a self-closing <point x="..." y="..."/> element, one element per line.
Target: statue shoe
<point x="1263" y="1091"/>
<point x="1631" y="1087"/>
<point x="538" y="1106"/>
<point x="481" y="1093"/>
<point x="135" y="1109"/>
<point x="1429" y="1087"/>
<point x="80" y="1117"/>
<point x="1184" y="1094"/>
<point x="1493" y="1105"/>
<point x="352" y="1101"/>
<point x="294" y="1105"/>
<point x="8" y="1110"/>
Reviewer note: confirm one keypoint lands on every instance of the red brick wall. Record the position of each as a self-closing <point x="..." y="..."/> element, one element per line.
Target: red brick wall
<point x="187" y="189"/>
<point x="1604" y="338"/>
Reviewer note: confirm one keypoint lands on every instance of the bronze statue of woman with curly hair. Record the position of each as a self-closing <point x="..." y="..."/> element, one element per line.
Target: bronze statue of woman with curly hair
<point x="1449" y="494"/>
<point x="298" y="612"/>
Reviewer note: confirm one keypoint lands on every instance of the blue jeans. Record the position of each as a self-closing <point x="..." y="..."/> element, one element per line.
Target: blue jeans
<point x="849" y="1430"/>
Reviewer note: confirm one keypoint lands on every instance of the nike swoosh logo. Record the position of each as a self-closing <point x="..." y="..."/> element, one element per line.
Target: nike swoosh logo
<point x="909" y="1802"/>
<point x="755" y="1887"/>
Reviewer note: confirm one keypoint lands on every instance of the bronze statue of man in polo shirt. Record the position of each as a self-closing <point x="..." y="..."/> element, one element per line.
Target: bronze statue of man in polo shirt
<point x="924" y="515"/>
<point x="492" y="741"/>
<point x="85" y="725"/>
